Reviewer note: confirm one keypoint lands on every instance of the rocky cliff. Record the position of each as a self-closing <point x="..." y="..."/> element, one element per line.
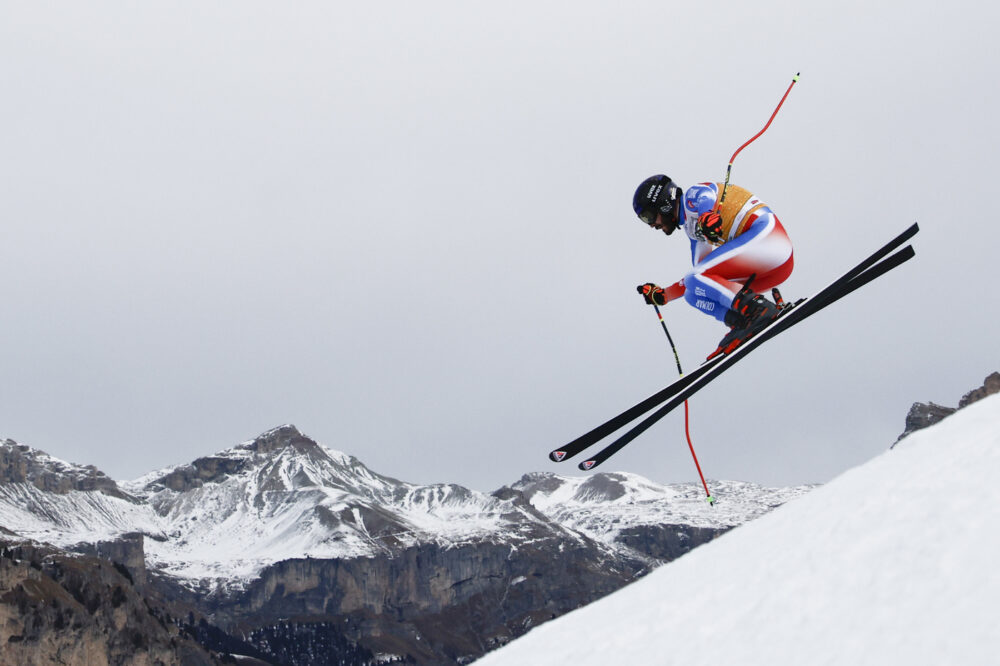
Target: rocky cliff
<point x="22" y="464"/>
<point x="57" y="608"/>
<point x="126" y="551"/>
<point x="922" y="415"/>
<point x="430" y="604"/>
<point x="991" y="385"/>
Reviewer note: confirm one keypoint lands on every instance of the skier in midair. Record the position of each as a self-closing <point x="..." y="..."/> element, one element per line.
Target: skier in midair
<point x="734" y="246"/>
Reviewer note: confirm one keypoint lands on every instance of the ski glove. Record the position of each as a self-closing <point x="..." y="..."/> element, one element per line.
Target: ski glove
<point x="653" y="294"/>
<point x="710" y="226"/>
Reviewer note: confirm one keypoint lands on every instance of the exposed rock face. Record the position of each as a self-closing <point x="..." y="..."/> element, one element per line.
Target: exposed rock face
<point x="990" y="386"/>
<point x="666" y="542"/>
<point x="59" y="609"/>
<point x="430" y="603"/>
<point x="22" y="464"/>
<point x="922" y="415"/>
<point x="126" y="551"/>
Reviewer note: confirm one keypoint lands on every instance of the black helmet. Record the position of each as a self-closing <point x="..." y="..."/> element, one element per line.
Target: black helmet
<point x="656" y="194"/>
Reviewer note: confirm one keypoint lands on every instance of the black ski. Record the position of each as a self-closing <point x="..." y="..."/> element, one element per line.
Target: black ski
<point x="778" y="326"/>
<point x="800" y="310"/>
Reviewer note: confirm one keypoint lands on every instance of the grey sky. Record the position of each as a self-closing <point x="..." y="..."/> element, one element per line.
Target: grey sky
<point x="406" y="227"/>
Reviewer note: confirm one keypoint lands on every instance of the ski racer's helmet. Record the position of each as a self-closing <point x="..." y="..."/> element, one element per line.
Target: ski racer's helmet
<point x="657" y="195"/>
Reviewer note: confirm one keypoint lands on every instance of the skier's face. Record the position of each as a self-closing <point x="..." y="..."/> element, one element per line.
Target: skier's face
<point x="667" y="226"/>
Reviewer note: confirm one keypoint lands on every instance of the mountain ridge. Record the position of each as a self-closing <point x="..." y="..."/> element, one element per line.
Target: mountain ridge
<point x="283" y="495"/>
<point x="282" y="536"/>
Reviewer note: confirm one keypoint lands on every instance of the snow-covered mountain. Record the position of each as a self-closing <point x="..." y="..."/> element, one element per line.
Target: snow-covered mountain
<point x="281" y="527"/>
<point x="284" y="496"/>
<point x="894" y="562"/>
<point x="62" y="503"/>
<point x="223" y="518"/>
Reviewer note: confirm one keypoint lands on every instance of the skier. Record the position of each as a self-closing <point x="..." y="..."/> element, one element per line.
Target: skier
<point x="734" y="246"/>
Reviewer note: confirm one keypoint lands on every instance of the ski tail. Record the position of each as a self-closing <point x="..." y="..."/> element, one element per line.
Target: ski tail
<point x="611" y="425"/>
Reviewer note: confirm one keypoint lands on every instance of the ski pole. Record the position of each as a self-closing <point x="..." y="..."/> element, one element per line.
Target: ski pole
<point x="677" y="359"/>
<point x="687" y="419"/>
<point x="732" y="159"/>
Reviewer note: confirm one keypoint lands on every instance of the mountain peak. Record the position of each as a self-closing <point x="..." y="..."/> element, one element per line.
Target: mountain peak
<point x="280" y="438"/>
<point x="220" y="466"/>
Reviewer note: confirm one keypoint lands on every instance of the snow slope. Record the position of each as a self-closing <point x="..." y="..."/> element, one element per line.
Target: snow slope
<point x="894" y="562"/>
<point x="64" y="519"/>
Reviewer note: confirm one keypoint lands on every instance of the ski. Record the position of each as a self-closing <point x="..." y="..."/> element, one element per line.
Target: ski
<point x="781" y="324"/>
<point x="790" y="316"/>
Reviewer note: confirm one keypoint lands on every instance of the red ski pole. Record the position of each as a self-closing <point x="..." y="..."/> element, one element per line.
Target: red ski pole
<point x="718" y="203"/>
<point x="687" y="429"/>
<point x="732" y="159"/>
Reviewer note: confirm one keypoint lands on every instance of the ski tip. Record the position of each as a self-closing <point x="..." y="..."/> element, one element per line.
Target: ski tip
<point x="587" y="465"/>
<point x="557" y="456"/>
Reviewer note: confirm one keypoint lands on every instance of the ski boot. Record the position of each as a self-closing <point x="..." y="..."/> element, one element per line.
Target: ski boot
<point x="749" y="314"/>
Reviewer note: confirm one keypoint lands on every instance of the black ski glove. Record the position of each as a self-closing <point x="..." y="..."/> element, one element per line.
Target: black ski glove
<point x="653" y="294"/>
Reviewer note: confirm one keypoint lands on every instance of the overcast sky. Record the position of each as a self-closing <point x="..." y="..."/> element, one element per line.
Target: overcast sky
<point x="406" y="227"/>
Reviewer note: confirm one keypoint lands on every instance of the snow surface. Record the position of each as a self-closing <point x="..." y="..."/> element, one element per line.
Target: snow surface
<point x="73" y="517"/>
<point x="894" y="562"/>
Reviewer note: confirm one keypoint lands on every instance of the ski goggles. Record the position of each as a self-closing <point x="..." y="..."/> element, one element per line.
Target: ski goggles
<point x="648" y="214"/>
<point x="664" y="207"/>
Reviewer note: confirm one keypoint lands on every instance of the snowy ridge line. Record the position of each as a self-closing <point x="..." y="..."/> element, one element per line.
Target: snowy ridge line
<point x="605" y="504"/>
<point x="219" y="520"/>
